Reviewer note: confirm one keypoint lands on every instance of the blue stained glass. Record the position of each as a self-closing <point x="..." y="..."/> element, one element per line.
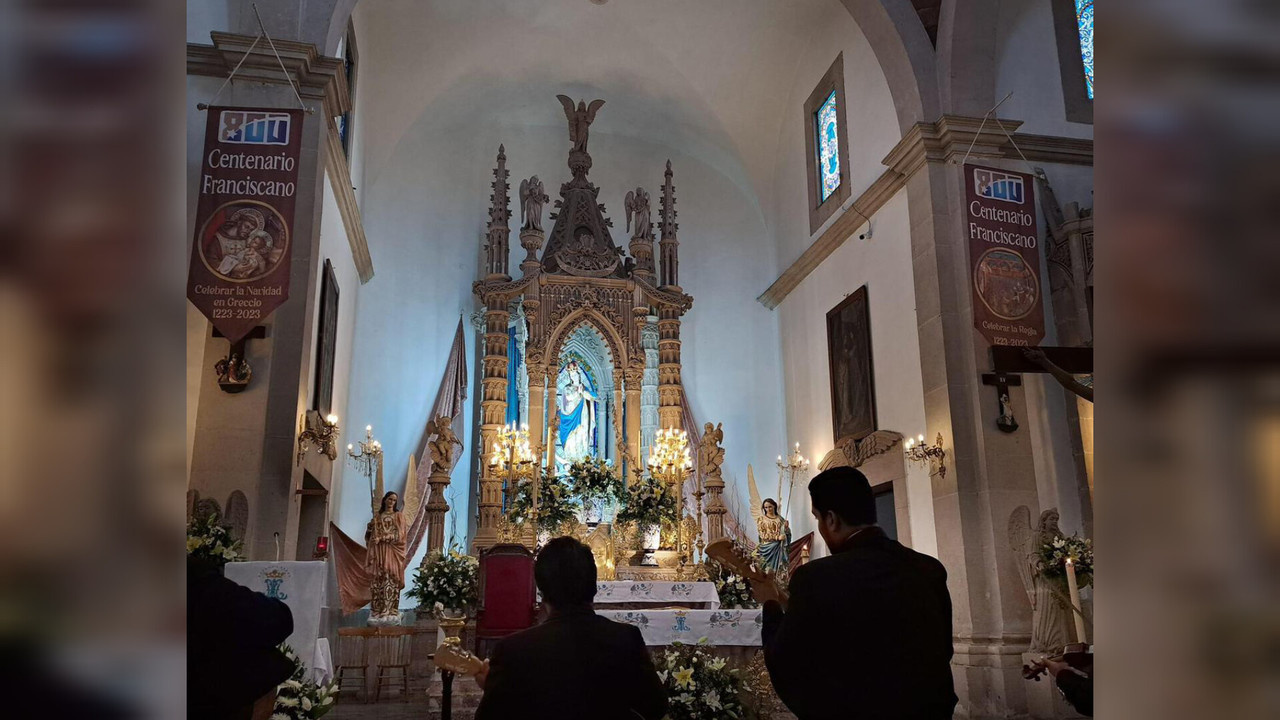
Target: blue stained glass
<point x="828" y="146"/>
<point x="1084" y="21"/>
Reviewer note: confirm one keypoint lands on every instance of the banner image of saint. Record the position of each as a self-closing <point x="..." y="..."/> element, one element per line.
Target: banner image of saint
<point x="576" y="396"/>
<point x="244" y="241"/>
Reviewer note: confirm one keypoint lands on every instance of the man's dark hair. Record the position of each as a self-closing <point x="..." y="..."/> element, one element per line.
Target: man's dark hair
<point x="566" y="572"/>
<point x="846" y="492"/>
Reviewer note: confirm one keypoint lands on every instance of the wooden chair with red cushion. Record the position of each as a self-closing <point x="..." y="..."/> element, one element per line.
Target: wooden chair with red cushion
<point x="507" y="594"/>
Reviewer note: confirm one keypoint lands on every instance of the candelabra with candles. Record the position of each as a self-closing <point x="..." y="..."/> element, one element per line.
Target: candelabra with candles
<point x="368" y="461"/>
<point x="322" y="433"/>
<point x="512" y="458"/>
<point x="669" y="461"/>
<point x="794" y="465"/>
<point x="917" y="451"/>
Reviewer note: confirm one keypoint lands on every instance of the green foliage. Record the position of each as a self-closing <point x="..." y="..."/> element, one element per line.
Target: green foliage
<point x="298" y="698"/>
<point x="648" y="503"/>
<point x="211" y="542"/>
<point x="1054" y="554"/>
<point x="447" y="580"/>
<point x="734" y="591"/>
<point x="699" y="685"/>
<point x="595" y="479"/>
<point x="556" y="503"/>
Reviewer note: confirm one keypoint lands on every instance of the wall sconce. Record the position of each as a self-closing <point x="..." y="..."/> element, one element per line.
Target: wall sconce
<point x="917" y="451"/>
<point x="322" y="433"/>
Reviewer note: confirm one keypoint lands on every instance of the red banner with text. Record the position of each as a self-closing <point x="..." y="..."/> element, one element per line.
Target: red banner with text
<point x="1004" y="255"/>
<point x="244" y="216"/>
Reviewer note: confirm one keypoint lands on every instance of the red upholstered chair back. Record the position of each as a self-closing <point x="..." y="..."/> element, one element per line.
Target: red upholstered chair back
<point x="506" y="591"/>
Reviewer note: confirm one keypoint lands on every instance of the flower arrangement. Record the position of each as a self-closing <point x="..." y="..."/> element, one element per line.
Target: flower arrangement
<point x="209" y="541"/>
<point x="734" y="591"/>
<point x="446" y="581"/>
<point x="699" y="685"/>
<point x="648" y="503"/>
<point x="556" y="504"/>
<point x="298" y="698"/>
<point x="595" y="480"/>
<point x="1054" y="554"/>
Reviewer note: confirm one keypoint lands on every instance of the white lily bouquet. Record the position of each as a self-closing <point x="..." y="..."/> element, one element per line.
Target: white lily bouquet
<point x="208" y="540"/>
<point x="700" y="686"/>
<point x="735" y="592"/>
<point x="1054" y="554"/>
<point x="446" y="581"/>
<point x="298" y="698"/>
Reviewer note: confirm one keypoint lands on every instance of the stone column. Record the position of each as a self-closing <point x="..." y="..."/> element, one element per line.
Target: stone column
<point x="989" y="472"/>
<point x="493" y="407"/>
<point x="625" y="452"/>
<point x="553" y="425"/>
<point x="668" y="366"/>
<point x="537" y="409"/>
<point x="436" y="508"/>
<point x="714" y="509"/>
<point x="531" y="240"/>
<point x="633" y="377"/>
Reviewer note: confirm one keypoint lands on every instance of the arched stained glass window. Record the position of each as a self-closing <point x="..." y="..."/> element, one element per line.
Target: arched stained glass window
<point x="829" y="146"/>
<point x="1084" y="22"/>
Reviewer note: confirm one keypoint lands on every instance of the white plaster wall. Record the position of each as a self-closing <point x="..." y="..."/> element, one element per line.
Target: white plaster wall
<point x="883" y="264"/>
<point x="205" y="16"/>
<point x="1027" y="66"/>
<point x="335" y="247"/>
<point x="871" y="124"/>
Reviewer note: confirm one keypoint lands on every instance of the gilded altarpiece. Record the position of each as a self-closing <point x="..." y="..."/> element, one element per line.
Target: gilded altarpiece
<point x="571" y="277"/>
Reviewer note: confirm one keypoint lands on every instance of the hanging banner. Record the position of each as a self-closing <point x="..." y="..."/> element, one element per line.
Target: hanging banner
<point x="1004" y="255"/>
<point x="244" y="216"/>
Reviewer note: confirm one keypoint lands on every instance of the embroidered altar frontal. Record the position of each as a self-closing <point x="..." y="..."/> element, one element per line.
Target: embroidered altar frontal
<point x="719" y="627"/>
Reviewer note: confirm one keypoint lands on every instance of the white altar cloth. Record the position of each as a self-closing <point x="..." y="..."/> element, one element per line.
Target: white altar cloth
<point x="719" y="627"/>
<point x="674" y="593"/>
<point x="301" y="586"/>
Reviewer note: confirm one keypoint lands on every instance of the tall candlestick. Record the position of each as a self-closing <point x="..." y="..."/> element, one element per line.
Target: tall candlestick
<point x="1077" y="611"/>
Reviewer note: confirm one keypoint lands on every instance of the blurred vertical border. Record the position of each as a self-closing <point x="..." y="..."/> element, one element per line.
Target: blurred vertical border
<point x="91" y="320"/>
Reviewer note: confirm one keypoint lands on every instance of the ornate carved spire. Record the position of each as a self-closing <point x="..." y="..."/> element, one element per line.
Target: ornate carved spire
<point x="498" y="238"/>
<point x="669" y="243"/>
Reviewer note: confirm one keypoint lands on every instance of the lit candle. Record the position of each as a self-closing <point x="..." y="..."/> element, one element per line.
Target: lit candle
<point x="1076" y="609"/>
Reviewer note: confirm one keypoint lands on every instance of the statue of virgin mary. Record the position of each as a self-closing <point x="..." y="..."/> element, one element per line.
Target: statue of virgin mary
<point x="577" y="398"/>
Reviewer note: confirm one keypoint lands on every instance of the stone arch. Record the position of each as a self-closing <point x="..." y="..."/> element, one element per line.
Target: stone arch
<point x="613" y="341"/>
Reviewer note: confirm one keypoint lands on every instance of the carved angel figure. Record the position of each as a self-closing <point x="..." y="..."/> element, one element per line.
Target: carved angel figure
<point x="1048" y="602"/>
<point x="712" y="453"/>
<point x="637" y="206"/>
<point x="772" y="554"/>
<point x="580" y="120"/>
<point x="532" y="197"/>
<point x="443" y="444"/>
<point x="853" y="453"/>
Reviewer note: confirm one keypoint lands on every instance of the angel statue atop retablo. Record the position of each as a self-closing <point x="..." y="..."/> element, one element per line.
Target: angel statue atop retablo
<point x="773" y="553"/>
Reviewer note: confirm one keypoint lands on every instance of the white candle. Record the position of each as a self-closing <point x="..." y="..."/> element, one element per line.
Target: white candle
<point x="1077" y="610"/>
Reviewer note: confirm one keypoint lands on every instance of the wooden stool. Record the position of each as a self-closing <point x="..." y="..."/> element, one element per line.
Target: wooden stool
<point x="393" y="655"/>
<point x="353" y="663"/>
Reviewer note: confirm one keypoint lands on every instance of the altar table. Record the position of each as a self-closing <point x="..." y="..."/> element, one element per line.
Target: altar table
<point x="617" y="592"/>
<point x="301" y="586"/>
<point x="719" y="627"/>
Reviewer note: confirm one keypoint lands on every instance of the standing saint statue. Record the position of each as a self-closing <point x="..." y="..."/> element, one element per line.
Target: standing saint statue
<point x="773" y="553"/>
<point x="1048" y="601"/>
<point x="711" y="453"/>
<point x="386" y="560"/>
<point x="577" y="399"/>
<point x="580" y="120"/>
<point x="637" y="206"/>
<point x="532" y="197"/>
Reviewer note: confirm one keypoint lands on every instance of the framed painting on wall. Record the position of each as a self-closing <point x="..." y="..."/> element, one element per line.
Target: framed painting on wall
<point x="853" y="389"/>
<point x="326" y="341"/>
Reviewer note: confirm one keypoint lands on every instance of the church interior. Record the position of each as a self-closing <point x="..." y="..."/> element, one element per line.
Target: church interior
<point x="467" y="276"/>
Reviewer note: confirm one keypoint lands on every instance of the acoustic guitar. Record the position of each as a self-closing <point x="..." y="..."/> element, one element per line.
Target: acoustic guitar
<point x="729" y="555"/>
<point x="1075" y="655"/>
<point x="457" y="660"/>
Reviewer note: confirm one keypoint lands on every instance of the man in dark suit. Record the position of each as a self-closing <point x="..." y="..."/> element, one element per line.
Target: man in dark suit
<point x="233" y="666"/>
<point x="867" y="631"/>
<point x="576" y="664"/>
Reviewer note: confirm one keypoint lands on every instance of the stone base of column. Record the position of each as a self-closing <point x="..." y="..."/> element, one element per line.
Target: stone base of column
<point x="988" y="679"/>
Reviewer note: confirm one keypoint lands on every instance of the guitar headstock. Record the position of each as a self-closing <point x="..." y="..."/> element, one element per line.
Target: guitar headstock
<point x="457" y="660"/>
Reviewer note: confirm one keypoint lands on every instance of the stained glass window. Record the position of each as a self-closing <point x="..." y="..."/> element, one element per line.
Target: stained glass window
<point x="828" y="146"/>
<point x="1084" y="22"/>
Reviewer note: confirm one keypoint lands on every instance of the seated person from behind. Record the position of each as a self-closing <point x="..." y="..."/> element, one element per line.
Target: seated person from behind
<point x="576" y="664"/>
